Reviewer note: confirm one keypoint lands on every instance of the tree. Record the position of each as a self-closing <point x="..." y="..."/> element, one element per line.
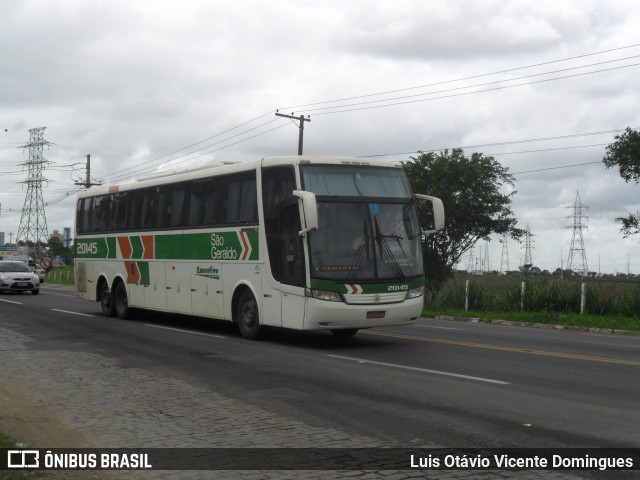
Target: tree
<point x="624" y="153"/>
<point x="475" y="207"/>
<point x="57" y="248"/>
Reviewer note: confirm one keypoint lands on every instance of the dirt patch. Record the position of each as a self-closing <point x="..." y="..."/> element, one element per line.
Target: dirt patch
<point x="39" y="427"/>
<point x="22" y="420"/>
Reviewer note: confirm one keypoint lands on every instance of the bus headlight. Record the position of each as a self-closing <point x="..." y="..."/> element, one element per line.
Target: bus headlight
<point x="415" y="293"/>
<point x="325" y="295"/>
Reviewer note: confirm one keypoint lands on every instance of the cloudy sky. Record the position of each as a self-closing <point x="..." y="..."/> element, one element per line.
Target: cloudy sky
<point x="542" y="86"/>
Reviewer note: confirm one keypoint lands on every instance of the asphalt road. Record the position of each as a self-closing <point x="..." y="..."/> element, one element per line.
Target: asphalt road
<point x="439" y="383"/>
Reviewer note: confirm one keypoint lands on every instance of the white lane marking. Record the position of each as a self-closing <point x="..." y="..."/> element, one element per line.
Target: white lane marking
<point x="10" y="301"/>
<point x="72" y="313"/>
<point x="418" y="369"/>
<point x="185" y="331"/>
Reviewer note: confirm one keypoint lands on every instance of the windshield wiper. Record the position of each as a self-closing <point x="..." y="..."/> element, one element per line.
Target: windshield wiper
<point x="362" y="249"/>
<point x="384" y="248"/>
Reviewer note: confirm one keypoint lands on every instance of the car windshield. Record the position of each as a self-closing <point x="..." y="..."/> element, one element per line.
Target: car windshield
<point x="14" y="267"/>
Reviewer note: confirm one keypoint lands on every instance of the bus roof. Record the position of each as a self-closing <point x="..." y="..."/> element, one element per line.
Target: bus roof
<point x="215" y="168"/>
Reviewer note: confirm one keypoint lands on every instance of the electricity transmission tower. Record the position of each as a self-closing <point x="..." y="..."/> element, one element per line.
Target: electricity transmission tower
<point x="33" y="223"/>
<point x="577" y="260"/>
<point x="504" y="260"/>
<point x="528" y="259"/>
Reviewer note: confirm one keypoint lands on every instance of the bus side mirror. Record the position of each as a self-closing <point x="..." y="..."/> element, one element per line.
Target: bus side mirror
<point x="438" y="213"/>
<point x="310" y="211"/>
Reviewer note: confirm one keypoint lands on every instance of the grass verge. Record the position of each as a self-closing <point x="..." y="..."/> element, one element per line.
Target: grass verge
<point x="551" y="318"/>
<point x="61" y="275"/>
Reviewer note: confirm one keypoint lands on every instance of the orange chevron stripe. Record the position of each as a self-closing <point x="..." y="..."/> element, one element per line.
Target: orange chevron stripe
<point x="147" y="243"/>
<point x="125" y="247"/>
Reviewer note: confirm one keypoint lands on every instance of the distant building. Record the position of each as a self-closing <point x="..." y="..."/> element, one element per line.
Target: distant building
<point x="66" y="237"/>
<point x="2" y="238"/>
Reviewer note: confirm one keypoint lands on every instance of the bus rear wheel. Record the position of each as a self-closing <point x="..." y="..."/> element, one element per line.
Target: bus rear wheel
<point x="121" y="302"/>
<point x="247" y="316"/>
<point x="106" y="299"/>
<point x="344" y="332"/>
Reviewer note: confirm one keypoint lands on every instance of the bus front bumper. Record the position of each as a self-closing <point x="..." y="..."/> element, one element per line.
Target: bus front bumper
<point x="325" y="315"/>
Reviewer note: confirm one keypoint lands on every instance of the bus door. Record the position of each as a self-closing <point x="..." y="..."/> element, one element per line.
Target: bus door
<point x="291" y="267"/>
<point x="284" y="300"/>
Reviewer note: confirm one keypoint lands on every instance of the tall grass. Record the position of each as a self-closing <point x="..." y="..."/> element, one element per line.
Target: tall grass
<point x="549" y="294"/>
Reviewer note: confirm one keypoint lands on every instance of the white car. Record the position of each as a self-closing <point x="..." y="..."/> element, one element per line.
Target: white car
<point x="38" y="270"/>
<point x="18" y="277"/>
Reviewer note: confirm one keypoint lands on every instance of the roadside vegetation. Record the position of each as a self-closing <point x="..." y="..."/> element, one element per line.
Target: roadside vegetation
<point x="63" y="275"/>
<point x="609" y="304"/>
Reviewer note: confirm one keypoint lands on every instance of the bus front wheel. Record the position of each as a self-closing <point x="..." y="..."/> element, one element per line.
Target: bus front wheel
<point x="121" y="302"/>
<point x="247" y="316"/>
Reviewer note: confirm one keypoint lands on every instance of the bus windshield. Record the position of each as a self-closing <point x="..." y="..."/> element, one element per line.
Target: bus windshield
<point x="367" y="224"/>
<point x="355" y="181"/>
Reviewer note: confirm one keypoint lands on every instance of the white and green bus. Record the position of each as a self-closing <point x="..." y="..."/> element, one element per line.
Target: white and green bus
<point x="307" y="243"/>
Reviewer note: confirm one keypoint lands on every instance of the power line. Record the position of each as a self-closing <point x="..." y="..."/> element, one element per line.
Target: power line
<point x="462" y="79"/>
<point x="453" y="95"/>
<point x="478" y="85"/>
<point x="149" y="165"/>
<point x="497" y="144"/>
<point x="556" y="168"/>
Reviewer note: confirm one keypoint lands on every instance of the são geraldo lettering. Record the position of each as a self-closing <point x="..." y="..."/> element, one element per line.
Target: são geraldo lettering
<point x="219" y="251"/>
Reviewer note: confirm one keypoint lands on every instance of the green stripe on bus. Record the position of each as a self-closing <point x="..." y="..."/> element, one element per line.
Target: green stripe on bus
<point x="111" y="247"/>
<point x="136" y="246"/>
<point x="233" y="245"/>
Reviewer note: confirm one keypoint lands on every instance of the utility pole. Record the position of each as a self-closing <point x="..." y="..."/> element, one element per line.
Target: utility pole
<point x="87" y="183"/>
<point x="33" y="223"/>
<point x="300" y="119"/>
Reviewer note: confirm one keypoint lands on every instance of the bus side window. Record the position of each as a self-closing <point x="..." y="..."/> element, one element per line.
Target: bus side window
<point x="176" y="209"/>
<point x="242" y="205"/>
<point x="149" y="207"/>
<point x="102" y="211"/>
<point x="134" y="209"/>
<point x="120" y="206"/>
<point x="88" y="215"/>
<point x="196" y="204"/>
<point x="80" y="216"/>
<point x="211" y="202"/>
